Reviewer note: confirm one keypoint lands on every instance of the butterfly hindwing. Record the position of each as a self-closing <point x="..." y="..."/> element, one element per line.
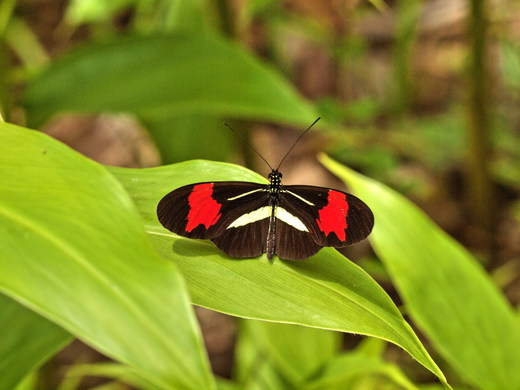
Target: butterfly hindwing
<point x="293" y="244"/>
<point x="333" y="218"/>
<point x="205" y="210"/>
<point x="243" y="241"/>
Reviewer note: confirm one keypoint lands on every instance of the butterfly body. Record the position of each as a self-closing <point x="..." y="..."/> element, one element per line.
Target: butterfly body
<point x="246" y="219"/>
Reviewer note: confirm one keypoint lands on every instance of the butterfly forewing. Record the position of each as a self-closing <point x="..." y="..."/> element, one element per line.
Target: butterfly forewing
<point x="333" y="218"/>
<point x="205" y="210"/>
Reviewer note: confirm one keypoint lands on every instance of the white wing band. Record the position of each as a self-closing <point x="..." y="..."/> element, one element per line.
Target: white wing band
<point x="265" y="212"/>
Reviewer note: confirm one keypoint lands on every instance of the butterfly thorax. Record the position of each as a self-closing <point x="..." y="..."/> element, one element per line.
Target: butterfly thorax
<point x="275" y="182"/>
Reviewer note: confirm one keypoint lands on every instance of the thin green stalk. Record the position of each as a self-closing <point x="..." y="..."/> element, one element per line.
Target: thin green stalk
<point x="6" y="12"/>
<point x="25" y="44"/>
<point x="225" y="17"/>
<point x="480" y="196"/>
<point x="408" y="13"/>
<point x="227" y="26"/>
<point x="4" y="86"/>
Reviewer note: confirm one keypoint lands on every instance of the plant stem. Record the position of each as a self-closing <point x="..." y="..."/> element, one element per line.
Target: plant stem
<point x="225" y="16"/>
<point x="480" y="196"/>
<point x="408" y="13"/>
<point x="6" y="12"/>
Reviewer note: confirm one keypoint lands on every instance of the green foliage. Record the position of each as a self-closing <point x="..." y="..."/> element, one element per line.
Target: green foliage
<point x="298" y="351"/>
<point x="82" y="254"/>
<point x="361" y="368"/>
<point x="18" y="322"/>
<point x="282" y="356"/>
<point x="107" y="292"/>
<point x="122" y="373"/>
<point x="281" y="353"/>
<point x="510" y="66"/>
<point x="181" y="83"/>
<point x="82" y="11"/>
<point x="446" y="291"/>
<point x="74" y="251"/>
<point x="192" y="80"/>
<point x="325" y="291"/>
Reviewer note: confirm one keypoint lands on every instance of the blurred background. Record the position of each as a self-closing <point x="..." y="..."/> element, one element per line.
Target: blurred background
<point x="421" y="95"/>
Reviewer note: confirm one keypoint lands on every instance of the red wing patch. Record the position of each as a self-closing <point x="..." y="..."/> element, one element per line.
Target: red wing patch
<point x="204" y="210"/>
<point x="333" y="217"/>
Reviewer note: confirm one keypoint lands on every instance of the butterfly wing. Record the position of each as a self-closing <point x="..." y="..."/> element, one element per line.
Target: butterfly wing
<point x="236" y="215"/>
<point x="333" y="218"/>
<point x="232" y="214"/>
<point x="293" y="244"/>
<point x="244" y="241"/>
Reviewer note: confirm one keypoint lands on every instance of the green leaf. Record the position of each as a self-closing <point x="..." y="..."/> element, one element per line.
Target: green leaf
<point x="224" y="384"/>
<point x="297" y="351"/>
<point x="184" y="142"/>
<point x="325" y="291"/>
<point x="72" y="248"/>
<point x="439" y="387"/>
<point x="85" y="11"/>
<point x="253" y="368"/>
<point x="446" y="290"/>
<point x="30" y="382"/>
<point x="114" y="371"/>
<point x="347" y="367"/>
<point x="31" y="341"/>
<point x="510" y="52"/>
<point x="162" y="77"/>
<point x="187" y="15"/>
<point x="380" y="5"/>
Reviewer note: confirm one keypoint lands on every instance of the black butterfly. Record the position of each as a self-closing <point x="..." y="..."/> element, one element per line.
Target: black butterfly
<point x="247" y="219"/>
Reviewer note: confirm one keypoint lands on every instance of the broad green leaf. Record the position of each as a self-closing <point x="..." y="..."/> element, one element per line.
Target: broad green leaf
<point x="109" y="386"/>
<point x="347" y="367"/>
<point x="28" y="340"/>
<point x="362" y="364"/>
<point x="164" y="77"/>
<point x="510" y="52"/>
<point x="30" y="382"/>
<point x="439" y="387"/>
<point x="325" y="291"/>
<point x="187" y="15"/>
<point x="446" y="290"/>
<point x="184" y="140"/>
<point x="115" y="371"/>
<point x="72" y="248"/>
<point x="224" y="384"/>
<point x="253" y="368"/>
<point x="380" y="5"/>
<point x="85" y="11"/>
<point x="297" y="351"/>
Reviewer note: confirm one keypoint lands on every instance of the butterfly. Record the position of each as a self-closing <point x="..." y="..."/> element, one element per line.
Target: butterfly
<point x="246" y="219"/>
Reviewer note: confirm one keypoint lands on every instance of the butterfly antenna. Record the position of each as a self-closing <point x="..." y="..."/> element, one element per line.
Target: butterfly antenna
<point x="294" y="144"/>
<point x="247" y="143"/>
